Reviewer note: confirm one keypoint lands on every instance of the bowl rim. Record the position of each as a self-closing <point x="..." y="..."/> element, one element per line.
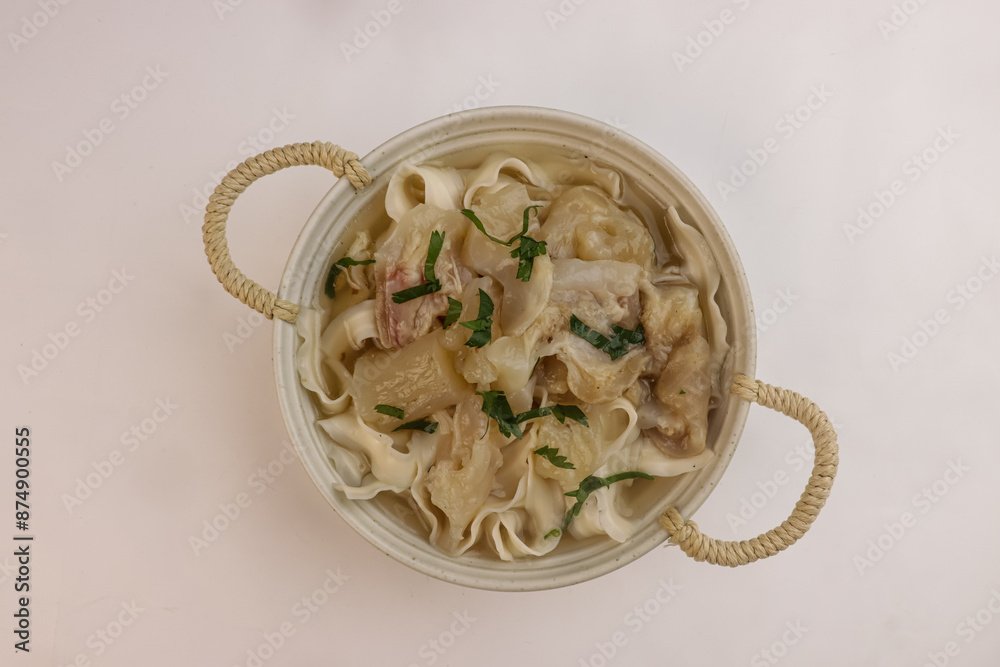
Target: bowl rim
<point x="327" y="222"/>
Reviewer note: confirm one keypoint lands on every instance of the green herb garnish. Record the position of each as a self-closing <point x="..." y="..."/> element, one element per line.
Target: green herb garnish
<point x="682" y="391"/>
<point x="496" y="407"/>
<point x="524" y="253"/>
<point x="591" y="484"/>
<point x="614" y="346"/>
<point x="482" y="326"/>
<point x="479" y="225"/>
<point x="552" y="533"/>
<point x="418" y="425"/>
<point x="552" y="455"/>
<point x="390" y="410"/>
<point x="335" y="270"/>
<point x="560" y="412"/>
<point x="454" y="312"/>
<point x="432" y="284"/>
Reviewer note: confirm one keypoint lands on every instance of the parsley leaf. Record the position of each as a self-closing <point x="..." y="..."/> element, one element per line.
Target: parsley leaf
<point x="577" y="326"/>
<point x="390" y="410"/>
<point x="553" y="457"/>
<point x="526" y="254"/>
<point x="433" y="284"/>
<point x="454" y="312"/>
<point x="411" y="293"/>
<point x="433" y="250"/>
<point x="479" y="225"/>
<point x="560" y="412"/>
<point x="614" y="346"/>
<point x="495" y="406"/>
<point x="527" y="212"/>
<point x="482" y="327"/>
<point x="591" y="484"/>
<point x="335" y="270"/>
<point x="682" y="391"/>
<point x="418" y="425"/>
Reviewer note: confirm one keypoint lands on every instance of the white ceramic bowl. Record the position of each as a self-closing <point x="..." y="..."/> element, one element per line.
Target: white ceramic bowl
<point x="386" y="522"/>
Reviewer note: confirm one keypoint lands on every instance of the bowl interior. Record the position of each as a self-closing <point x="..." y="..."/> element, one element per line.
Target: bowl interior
<point x="389" y="523"/>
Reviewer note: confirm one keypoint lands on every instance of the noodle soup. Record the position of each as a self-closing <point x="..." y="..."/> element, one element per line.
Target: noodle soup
<point x="396" y="525"/>
<point x="510" y="346"/>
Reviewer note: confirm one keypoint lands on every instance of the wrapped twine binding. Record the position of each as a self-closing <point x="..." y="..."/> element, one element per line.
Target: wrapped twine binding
<point x="681" y="532"/>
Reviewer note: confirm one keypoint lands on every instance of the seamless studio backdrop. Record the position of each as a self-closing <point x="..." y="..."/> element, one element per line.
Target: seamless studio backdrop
<point x="850" y="149"/>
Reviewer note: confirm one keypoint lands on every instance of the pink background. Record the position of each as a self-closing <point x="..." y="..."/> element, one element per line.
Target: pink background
<point x="887" y="576"/>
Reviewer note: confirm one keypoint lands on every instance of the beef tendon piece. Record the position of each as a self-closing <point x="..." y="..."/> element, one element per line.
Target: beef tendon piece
<point x="681" y="382"/>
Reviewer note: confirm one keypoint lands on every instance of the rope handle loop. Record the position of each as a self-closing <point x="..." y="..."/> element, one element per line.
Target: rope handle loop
<point x="694" y="543"/>
<point x="322" y="154"/>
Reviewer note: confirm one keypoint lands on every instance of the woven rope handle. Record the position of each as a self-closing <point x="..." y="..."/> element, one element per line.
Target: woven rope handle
<point x="718" y="552"/>
<point x="327" y="155"/>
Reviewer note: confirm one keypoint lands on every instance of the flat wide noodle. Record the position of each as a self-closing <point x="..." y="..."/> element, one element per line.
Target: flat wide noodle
<point x="485" y="425"/>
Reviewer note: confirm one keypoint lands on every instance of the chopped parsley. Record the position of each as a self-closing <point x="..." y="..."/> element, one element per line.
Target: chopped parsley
<point x="526" y="254"/>
<point x="682" y="391"/>
<point x="496" y="407"/>
<point x="454" y="312"/>
<point x="551" y="454"/>
<point x="553" y="533"/>
<point x="432" y="284"/>
<point x="614" y="346"/>
<point x="418" y="425"/>
<point x="482" y="326"/>
<point x="591" y="484"/>
<point x="528" y="249"/>
<point x="560" y="412"/>
<point x="335" y="270"/>
<point x="479" y="225"/>
<point x="390" y="410"/>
